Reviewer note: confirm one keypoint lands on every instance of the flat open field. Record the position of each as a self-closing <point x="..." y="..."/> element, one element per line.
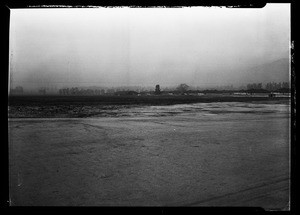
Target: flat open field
<point x="203" y="154"/>
<point x="96" y="106"/>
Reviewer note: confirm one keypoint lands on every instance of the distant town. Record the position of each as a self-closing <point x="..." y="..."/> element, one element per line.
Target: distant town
<point x="182" y="89"/>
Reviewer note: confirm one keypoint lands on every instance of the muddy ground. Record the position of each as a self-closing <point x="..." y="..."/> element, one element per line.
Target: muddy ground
<point x="52" y="106"/>
<point x="217" y="154"/>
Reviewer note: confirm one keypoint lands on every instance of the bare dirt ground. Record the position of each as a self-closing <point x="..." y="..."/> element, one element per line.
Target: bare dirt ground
<point x="102" y="106"/>
<point x="213" y="154"/>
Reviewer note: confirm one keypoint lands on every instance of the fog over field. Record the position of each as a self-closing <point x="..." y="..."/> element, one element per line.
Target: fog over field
<point x="200" y="46"/>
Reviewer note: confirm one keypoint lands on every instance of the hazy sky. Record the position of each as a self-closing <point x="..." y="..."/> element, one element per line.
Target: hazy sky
<point x="144" y="46"/>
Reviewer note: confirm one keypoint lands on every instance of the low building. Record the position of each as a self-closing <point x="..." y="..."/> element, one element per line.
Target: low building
<point x="272" y="95"/>
<point x="240" y="93"/>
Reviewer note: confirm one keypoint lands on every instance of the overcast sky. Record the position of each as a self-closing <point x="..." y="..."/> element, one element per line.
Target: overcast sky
<point x="144" y="46"/>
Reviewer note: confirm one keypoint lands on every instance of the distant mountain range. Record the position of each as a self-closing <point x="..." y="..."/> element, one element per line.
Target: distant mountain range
<point x="275" y="71"/>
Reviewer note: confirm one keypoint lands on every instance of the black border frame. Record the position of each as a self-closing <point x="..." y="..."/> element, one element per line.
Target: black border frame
<point x="5" y="13"/>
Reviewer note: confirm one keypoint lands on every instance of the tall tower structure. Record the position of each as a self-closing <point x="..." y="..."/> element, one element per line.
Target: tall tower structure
<point x="157" y="89"/>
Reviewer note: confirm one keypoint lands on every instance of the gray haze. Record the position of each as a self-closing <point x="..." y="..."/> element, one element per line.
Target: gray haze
<point x="145" y="46"/>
